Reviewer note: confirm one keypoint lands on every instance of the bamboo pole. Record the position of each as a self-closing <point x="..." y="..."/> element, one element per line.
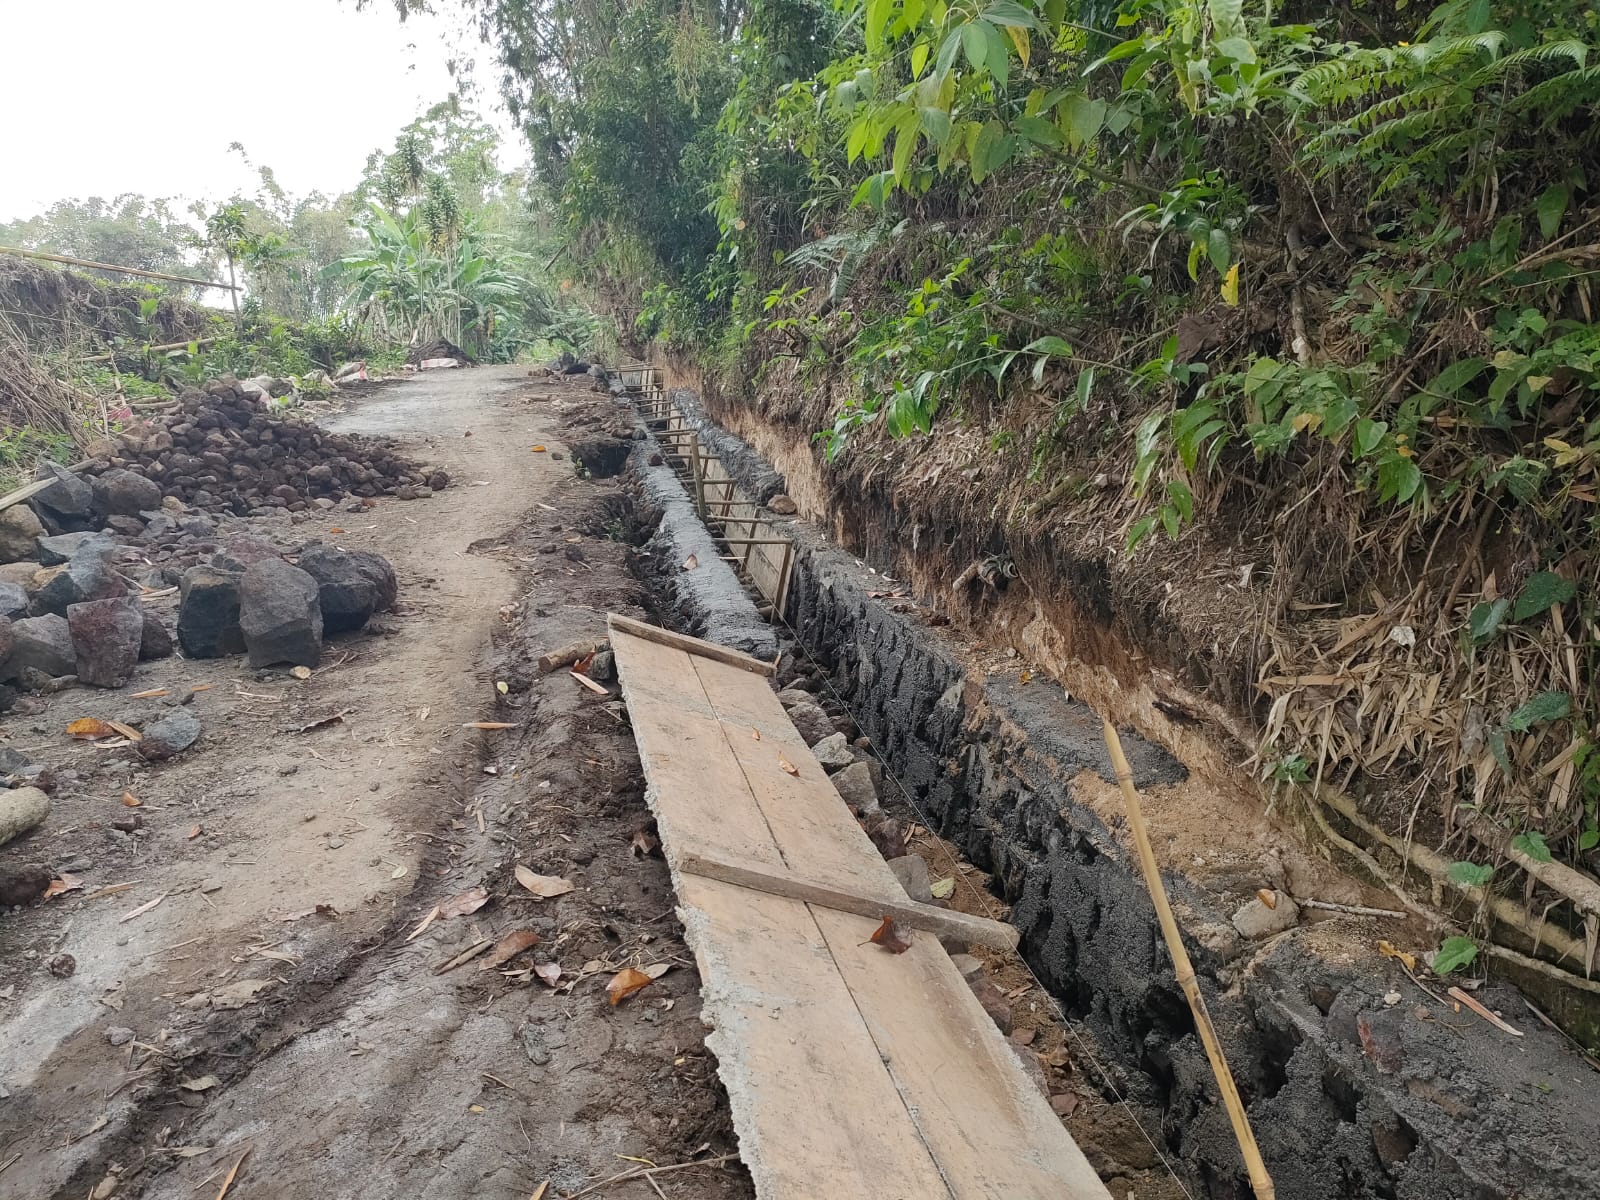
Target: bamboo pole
<point x="68" y="260"/>
<point x="1260" y="1181"/>
<point x="183" y="345"/>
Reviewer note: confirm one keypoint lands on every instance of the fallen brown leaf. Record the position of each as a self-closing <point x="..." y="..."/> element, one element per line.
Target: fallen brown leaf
<point x="469" y="901"/>
<point x="236" y="995"/>
<point x="644" y="843"/>
<point x="300" y="672"/>
<point x="624" y="984"/>
<point x="322" y="722"/>
<point x="755" y="734"/>
<point x="538" y="450"/>
<point x="1409" y="961"/>
<point x="127" y="731"/>
<point x="233" y="1173"/>
<point x="203" y="1084"/>
<point x="691" y="562"/>
<point x="788" y="767"/>
<point x="91" y="727"/>
<point x="583" y="664"/>
<point x="193" y="833"/>
<point x="508" y="947"/>
<point x="66" y="883"/>
<point x="540" y="1191"/>
<point x="1267" y="896"/>
<point x="129" y="800"/>
<point x="888" y="936"/>
<point x="321" y="910"/>
<point x="549" y="973"/>
<point x="543" y="887"/>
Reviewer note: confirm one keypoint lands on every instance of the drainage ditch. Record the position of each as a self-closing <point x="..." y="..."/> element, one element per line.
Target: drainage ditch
<point x="1359" y="1083"/>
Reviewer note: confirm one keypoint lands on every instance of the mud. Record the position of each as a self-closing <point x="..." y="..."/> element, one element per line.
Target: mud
<point x="354" y="1069"/>
<point x="1360" y="1084"/>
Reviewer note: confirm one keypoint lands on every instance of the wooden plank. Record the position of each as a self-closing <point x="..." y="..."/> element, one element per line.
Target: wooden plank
<point x="851" y="1071"/>
<point x="693" y="645"/>
<point x="817" y="1112"/>
<point x="987" y="1125"/>
<point x="995" y="934"/>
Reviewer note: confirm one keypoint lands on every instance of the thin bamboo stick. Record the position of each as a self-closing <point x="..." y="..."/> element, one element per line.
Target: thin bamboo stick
<point x="1260" y="1181"/>
<point x="68" y="260"/>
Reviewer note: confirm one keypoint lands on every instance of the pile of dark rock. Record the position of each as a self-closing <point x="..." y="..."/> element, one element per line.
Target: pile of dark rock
<point x="223" y="450"/>
<point x="73" y="600"/>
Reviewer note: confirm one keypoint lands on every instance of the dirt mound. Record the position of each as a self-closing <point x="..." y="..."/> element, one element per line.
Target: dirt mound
<point x="439" y="348"/>
<point x="222" y="451"/>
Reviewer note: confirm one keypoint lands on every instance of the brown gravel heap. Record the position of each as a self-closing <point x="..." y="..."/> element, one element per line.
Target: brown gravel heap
<point x="226" y="453"/>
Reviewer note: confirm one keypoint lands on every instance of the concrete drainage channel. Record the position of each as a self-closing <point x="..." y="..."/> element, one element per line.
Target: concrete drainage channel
<point x="1349" y="1098"/>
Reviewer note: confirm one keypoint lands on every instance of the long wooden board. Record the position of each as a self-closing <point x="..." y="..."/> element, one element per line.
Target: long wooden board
<point x="851" y="1071"/>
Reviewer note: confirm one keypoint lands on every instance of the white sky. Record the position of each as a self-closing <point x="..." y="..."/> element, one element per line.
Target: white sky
<point x="108" y="96"/>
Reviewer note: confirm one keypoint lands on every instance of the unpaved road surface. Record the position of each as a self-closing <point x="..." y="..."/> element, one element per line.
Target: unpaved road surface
<point x="249" y="989"/>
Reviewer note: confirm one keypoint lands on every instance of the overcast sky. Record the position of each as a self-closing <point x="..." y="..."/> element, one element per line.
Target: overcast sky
<point x="108" y="96"/>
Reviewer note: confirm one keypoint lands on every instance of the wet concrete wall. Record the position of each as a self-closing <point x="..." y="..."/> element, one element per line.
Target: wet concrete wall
<point x="1353" y="1095"/>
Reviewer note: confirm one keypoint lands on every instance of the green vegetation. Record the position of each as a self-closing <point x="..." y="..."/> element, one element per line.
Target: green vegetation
<point x="1314" y="282"/>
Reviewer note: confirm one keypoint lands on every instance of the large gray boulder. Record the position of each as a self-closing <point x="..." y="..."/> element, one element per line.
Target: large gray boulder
<point x="89" y="575"/>
<point x="351" y="585"/>
<point x="119" y="492"/>
<point x="19" y="533"/>
<point x="208" y="613"/>
<point x="43" y="643"/>
<point x="106" y="635"/>
<point x="53" y="551"/>
<point x="280" y="615"/>
<point x="69" y="498"/>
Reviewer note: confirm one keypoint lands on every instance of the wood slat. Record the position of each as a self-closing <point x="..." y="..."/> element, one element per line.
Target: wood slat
<point x="851" y="1071"/>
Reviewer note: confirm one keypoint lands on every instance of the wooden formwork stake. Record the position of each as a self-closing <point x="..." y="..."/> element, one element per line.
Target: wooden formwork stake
<point x="699" y="478"/>
<point x="780" y="601"/>
<point x="1260" y="1181"/>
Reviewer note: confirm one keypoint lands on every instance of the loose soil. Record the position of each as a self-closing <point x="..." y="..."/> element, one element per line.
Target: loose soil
<point x="316" y="824"/>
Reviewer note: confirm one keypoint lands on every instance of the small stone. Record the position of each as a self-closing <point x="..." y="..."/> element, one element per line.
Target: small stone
<point x="994" y="1002"/>
<point x="119" y="1035"/>
<point x="13" y="600"/>
<point x="124" y="493"/>
<point x="62" y="966"/>
<point x="603" y="667"/>
<point x="834" y="752"/>
<point x="171" y="735"/>
<point x="43" y="644"/>
<point x="22" y="885"/>
<point x="1255" y="920"/>
<point x="154" y="639"/>
<point x="208" y="613"/>
<point x="969" y="966"/>
<point x="790" y="696"/>
<point x="106" y="636"/>
<point x="334" y="843"/>
<point x="912" y="872"/>
<point x="208" y="886"/>
<point x="811" y="721"/>
<point x="20" y="531"/>
<point x="854" y="785"/>
<point x="279" y="614"/>
<point x="1024" y="1037"/>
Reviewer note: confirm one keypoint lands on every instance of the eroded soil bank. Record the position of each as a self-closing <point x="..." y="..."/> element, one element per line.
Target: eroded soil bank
<point x="1360" y="1081"/>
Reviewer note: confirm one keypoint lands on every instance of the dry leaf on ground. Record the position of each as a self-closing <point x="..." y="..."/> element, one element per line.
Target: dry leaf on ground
<point x="1409" y="961"/>
<point x="549" y="973"/>
<point x="321" y="910"/>
<point x="888" y="936"/>
<point x="543" y="887"/>
<point x="66" y="883"/>
<point x="142" y="909"/>
<point x="466" y="956"/>
<point x="204" y="1083"/>
<point x="644" y="843"/>
<point x="624" y="984"/>
<point x="129" y="800"/>
<point x="788" y="767"/>
<point x="300" y="672"/>
<point x="691" y="562"/>
<point x="91" y="727"/>
<point x="237" y="994"/>
<point x="469" y="901"/>
<point x="942" y="889"/>
<point x="508" y="947"/>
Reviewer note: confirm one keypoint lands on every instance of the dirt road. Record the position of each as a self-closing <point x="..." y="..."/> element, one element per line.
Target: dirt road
<point x="252" y="990"/>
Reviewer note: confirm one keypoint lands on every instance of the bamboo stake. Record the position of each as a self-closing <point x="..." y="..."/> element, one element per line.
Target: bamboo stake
<point x="1260" y="1181"/>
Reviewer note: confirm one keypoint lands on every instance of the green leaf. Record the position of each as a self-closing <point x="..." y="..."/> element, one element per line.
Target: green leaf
<point x="1237" y="48"/>
<point x="1541" y="593"/>
<point x="1081" y="119"/>
<point x="1453" y="954"/>
<point x="1227" y="17"/>
<point x="1546" y="706"/>
<point x="1470" y="874"/>
<point x="998" y="55"/>
<point x="874" y="18"/>
<point x="1531" y="842"/>
<point x="1194" y="261"/>
<point x="1484" y="620"/>
<point x="1039" y="131"/>
<point x="919" y="59"/>
<point x="1456" y="376"/>
<point x="1009" y="12"/>
<point x="935" y="123"/>
<point x="1552" y="206"/>
<point x="1369" y="435"/>
<point x="1218" y="249"/>
<point x="975" y="44"/>
<point x="1588" y="840"/>
<point x="1049" y="344"/>
<point x="1182" y="498"/>
<point x="1140" y="530"/>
